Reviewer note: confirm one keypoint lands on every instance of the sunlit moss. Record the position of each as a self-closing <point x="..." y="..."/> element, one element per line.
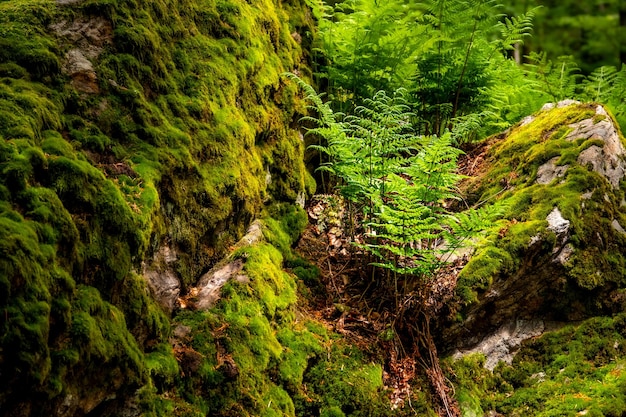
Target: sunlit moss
<point x="512" y="172"/>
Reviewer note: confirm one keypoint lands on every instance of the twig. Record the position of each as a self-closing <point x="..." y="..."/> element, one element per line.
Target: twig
<point x="332" y="278"/>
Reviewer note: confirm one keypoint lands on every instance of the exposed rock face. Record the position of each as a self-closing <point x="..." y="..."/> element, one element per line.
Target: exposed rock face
<point x="88" y="36"/>
<point x="162" y="278"/>
<point x="68" y="2"/>
<point x="502" y="344"/>
<point x="550" y="170"/>
<point x="557" y="256"/>
<point x="165" y="285"/>
<point x="608" y="159"/>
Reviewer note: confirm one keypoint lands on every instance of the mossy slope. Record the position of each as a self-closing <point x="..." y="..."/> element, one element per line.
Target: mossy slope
<point x="577" y="370"/>
<point x="123" y="125"/>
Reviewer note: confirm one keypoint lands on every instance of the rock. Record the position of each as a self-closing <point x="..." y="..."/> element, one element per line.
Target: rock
<point x="208" y="290"/>
<point x="557" y="223"/>
<point x="618" y="227"/>
<point x="87" y="37"/>
<point x="504" y="343"/>
<point x="301" y="199"/>
<point x="162" y="278"/>
<point x="560" y="104"/>
<point x="68" y="2"/>
<point x="89" y="34"/>
<point x="81" y="70"/>
<point x="558" y="254"/>
<point x="526" y="120"/>
<point x="181" y="332"/>
<point x="549" y="171"/>
<point x="206" y="293"/>
<point x="607" y="160"/>
<point x="253" y="236"/>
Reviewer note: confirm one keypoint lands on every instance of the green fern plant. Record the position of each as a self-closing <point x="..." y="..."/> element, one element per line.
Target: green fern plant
<point x="558" y="80"/>
<point x="513" y="30"/>
<point x="601" y="84"/>
<point x="399" y="179"/>
<point x="451" y="55"/>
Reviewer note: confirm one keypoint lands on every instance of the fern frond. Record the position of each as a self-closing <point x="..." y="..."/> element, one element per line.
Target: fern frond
<point x="513" y="30"/>
<point x="601" y="83"/>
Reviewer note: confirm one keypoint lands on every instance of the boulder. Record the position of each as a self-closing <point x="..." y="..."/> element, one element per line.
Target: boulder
<point x="557" y="255"/>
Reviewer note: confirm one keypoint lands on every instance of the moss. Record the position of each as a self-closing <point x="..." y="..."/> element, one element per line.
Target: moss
<point x="480" y="271"/>
<point x="577" y="369"/>
<point x="162" y="366"/>
<point x="284" y="226"/>
<point x="189" y="117"/>
<point x="340" y="381"/>
<point x="511" y="178"/>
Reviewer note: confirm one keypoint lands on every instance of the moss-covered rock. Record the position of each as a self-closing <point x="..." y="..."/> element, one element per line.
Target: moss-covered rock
<point x="576" y="370"/>
<point x="558" y="253"/>
<point x="135" y="138"/>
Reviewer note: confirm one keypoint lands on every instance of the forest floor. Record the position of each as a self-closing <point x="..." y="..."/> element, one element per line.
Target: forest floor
<point x="355" y="302"/>
<point x="352" y="302"/>
<point x="341" y="301"/>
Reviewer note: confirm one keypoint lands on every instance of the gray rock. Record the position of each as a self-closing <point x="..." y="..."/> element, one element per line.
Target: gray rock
<point x="618" y="227"/>
<point x="162" y="278"/>
<point x="68" y="2"/>
<point x="87" y="38"/>
<point x="546" y="279"/>
<point x="606" y="160"/>
<point x="505" y="342"/>
<point x="557" y="223"/>
<point x="207" y="292"/>
<point x="210" y="285"/>
<point x="550" y="170"/>
<point x="560" y="104"/>
<point x="564" y="254"/>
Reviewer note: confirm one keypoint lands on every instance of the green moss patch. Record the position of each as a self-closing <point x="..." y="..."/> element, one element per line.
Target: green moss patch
<point x="582" y="196"/>
<point x="578" y="370"/>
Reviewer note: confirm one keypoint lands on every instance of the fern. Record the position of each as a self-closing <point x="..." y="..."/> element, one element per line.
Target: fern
<point x="601" y="84"/>
<point x="513" y="30"/>
<point x="559" y="80"/>
<point x="400" y="180"/>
